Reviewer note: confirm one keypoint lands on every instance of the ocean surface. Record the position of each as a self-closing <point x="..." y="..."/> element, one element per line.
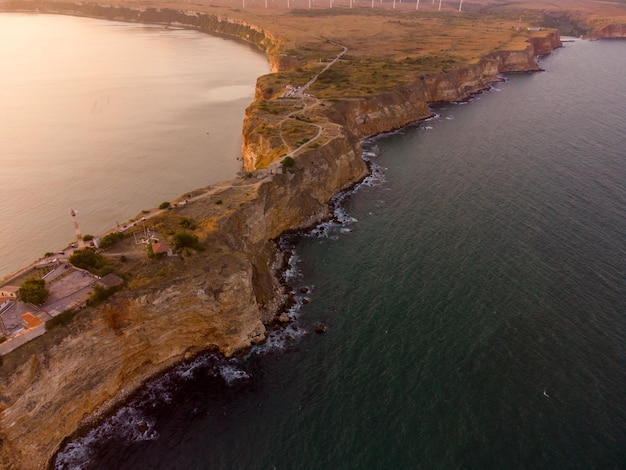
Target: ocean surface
<point x="474" y="294"/>
<point x="109" y="119"/>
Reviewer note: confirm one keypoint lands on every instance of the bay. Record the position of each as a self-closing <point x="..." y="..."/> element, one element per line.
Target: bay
<point x="110" y="119"/>
<point x="473" y="294"/>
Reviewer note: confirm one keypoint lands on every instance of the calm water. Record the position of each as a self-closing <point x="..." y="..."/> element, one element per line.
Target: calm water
<point x="474" y="294"/>
<point x="109" y="119"/>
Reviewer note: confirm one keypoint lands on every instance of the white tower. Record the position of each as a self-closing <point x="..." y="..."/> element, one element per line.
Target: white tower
<point x="79" y="238"/>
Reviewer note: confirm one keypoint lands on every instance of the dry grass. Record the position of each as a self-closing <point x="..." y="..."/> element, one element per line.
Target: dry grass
<point x="387" y="46"/>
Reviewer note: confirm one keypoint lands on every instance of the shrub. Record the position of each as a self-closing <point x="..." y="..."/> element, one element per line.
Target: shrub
<point x="219" y="201"/>
<point x="62" y="319"/>
<point x="184" y="239"/>
<point x="187" y="223"/>
<point x="87" y="238"/>
<point x="288" y="162"/>
<point x="100" y="294"/>
<point x="164" y="205"/>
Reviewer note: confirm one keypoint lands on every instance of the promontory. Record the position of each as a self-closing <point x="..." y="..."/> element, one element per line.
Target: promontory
<point x="341" y="71"/>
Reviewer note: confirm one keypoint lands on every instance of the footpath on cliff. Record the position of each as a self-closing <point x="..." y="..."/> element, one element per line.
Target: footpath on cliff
<point x="223" y="292"/>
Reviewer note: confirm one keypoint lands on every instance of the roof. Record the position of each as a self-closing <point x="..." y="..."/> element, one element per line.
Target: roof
<point x="10" y="289"/>
<point x="31" y="320"/>
<point x="111" y="280"/>
<point x="160" y="248"/>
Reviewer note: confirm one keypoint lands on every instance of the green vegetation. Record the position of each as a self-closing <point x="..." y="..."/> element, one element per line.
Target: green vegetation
<point x="100" y="294"/>
<point x="187" y="223"/>
<point x="2" y="339"/>
<point x="62" y="319"/>
<point x="288" y="162"/>
<point x="164" y="205"/>
<point x="182" y="240"/>
<point x="95" y="263"/>
<point x="87" y="238"/>
<point x="33" y="291"/>
<point x="111" y="239"/>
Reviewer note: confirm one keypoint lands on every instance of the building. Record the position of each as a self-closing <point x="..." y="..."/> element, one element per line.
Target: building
<point x="110" y="280"/>
<point x="161" y="248"/>
<point x="30" y="321"/>
<point x="9" y="291"/>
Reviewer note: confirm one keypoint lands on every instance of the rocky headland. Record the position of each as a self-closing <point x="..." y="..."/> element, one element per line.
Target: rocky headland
<point x="224" y="297"/>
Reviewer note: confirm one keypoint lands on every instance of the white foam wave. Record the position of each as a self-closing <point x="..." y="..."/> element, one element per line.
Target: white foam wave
<point x="231" y="373"/>
<point x="127" y="423"/>
<point x="131" y="423"/>
<point x="292" y="273"/>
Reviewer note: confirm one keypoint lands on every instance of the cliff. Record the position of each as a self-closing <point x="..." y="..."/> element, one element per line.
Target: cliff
<point x="610" y="31"/>
<point x="221" y="298"/>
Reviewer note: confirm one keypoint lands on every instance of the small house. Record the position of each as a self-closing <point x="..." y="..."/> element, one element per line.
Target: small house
<point x="161" y="248"/>
<point x="9" y="291"/>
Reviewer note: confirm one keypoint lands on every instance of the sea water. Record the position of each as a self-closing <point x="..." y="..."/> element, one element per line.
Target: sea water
<point x="473" y="291"/>
<point x="110" y="119"/>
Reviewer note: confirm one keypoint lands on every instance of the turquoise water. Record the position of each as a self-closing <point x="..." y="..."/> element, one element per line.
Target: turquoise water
<point x="474" y="296"/>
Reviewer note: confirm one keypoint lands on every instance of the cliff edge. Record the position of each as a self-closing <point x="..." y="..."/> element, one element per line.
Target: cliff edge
<point x="222" y="297"/>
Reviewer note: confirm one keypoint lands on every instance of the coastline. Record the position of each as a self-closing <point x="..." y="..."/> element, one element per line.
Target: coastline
<point x="282" y="202"/>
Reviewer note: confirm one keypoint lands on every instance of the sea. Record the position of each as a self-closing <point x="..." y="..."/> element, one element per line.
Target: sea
<point x="473" y="296"/>
<point x="110" y="119"/>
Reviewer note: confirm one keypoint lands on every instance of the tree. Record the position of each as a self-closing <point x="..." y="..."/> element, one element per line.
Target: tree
<point x="33" y="291"/>
<point x="111" y="239"/>
<point x="184" y="239"/>
<point x="88" y="259"/>
<point x="288" y="162"/>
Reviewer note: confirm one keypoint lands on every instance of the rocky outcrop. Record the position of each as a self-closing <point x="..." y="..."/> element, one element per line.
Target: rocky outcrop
<point x="224" y="297"/>
<point x="610" y="31"/>
<point x="546" y="42"/>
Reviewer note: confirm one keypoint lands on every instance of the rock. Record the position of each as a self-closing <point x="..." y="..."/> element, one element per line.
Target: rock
<point x="320" y="328"/>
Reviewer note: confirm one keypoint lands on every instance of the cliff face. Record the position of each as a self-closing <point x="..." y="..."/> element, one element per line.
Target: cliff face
<point x="546" y="43"/>
<point x="111" y="352"/>
<point x="610" y="31"/>
<point x="222" y="297"/>
<point x="217" y="300"/>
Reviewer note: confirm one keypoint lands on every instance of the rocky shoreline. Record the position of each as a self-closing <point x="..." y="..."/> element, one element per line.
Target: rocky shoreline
<point x="225" y="297"/>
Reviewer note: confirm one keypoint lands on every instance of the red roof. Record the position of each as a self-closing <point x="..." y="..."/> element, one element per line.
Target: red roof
<point x="31" y="320"/>
<point x="158" y="247"/>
